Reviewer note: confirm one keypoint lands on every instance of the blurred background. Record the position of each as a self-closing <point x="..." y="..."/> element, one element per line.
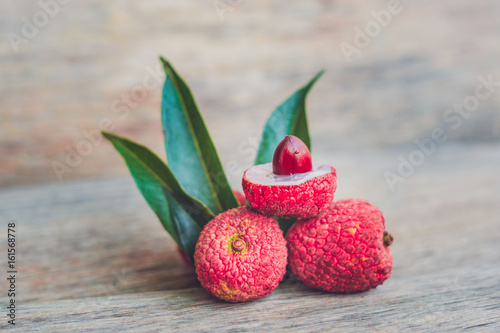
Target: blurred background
<point x="393" y="69"/>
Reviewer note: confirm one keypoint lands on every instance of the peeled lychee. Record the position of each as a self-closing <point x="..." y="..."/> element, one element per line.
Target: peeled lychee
<point x="344" y="249"/>
<point x="241" y="255"/>
<point x="293" y="189"/>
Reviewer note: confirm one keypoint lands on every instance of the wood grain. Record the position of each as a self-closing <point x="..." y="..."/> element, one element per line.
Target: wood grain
<point x="93" y="257"/>
<point x="394" y="91"/>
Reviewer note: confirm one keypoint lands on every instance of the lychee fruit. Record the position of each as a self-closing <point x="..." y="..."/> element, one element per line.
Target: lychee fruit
<point x="184" y="256"/>
<point x="241" y="255"/>
<point x="242" y="201"/>
<point x="290" y="187"/>
<point x="345" y="249"/>
<point x="240" y="197"/>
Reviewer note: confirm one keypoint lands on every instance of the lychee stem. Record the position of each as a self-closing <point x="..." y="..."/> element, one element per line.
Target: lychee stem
<point x="388" y="239"/>
<point x="238" y="245"/>
<point x="291" y="156"/>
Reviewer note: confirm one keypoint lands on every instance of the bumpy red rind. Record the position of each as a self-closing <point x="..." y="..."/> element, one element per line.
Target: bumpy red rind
<point x="241" y="276"/>
<point x="342" y="249"/>
<point x="304" y="200"/>
<point x="242" y="201"/>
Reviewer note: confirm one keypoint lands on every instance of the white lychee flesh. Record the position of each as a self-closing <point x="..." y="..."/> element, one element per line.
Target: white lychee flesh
<point x="263" y="174"/>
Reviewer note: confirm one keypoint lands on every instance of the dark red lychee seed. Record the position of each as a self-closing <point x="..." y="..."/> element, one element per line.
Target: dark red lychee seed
<point x="291" y="156"/>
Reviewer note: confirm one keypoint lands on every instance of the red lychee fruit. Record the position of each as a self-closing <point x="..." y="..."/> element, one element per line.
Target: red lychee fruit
<point x="241" y="255"/>
<point x="242" y="201"/>
<point x="290" y="191"/>
<point x="240" y="197"/>
<point x="184" y="256"/>
<point x="344" y="249"/>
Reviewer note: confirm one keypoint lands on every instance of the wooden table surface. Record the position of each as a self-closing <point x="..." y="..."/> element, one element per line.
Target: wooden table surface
<point x="93" y="257"/>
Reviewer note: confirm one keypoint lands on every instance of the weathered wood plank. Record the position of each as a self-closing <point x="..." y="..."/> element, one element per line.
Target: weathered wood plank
<point x="439" y="300"/>
<point x="394" y="90"/>
<point x="93" y="257"/>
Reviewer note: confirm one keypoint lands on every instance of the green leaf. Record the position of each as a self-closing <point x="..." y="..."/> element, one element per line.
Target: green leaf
<point x="287" y="119"/>
<point x="153" y="178"/>
<point x="187" y="229"/>
<point x="191" y="153"/>
<point x="285" y="224"/>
